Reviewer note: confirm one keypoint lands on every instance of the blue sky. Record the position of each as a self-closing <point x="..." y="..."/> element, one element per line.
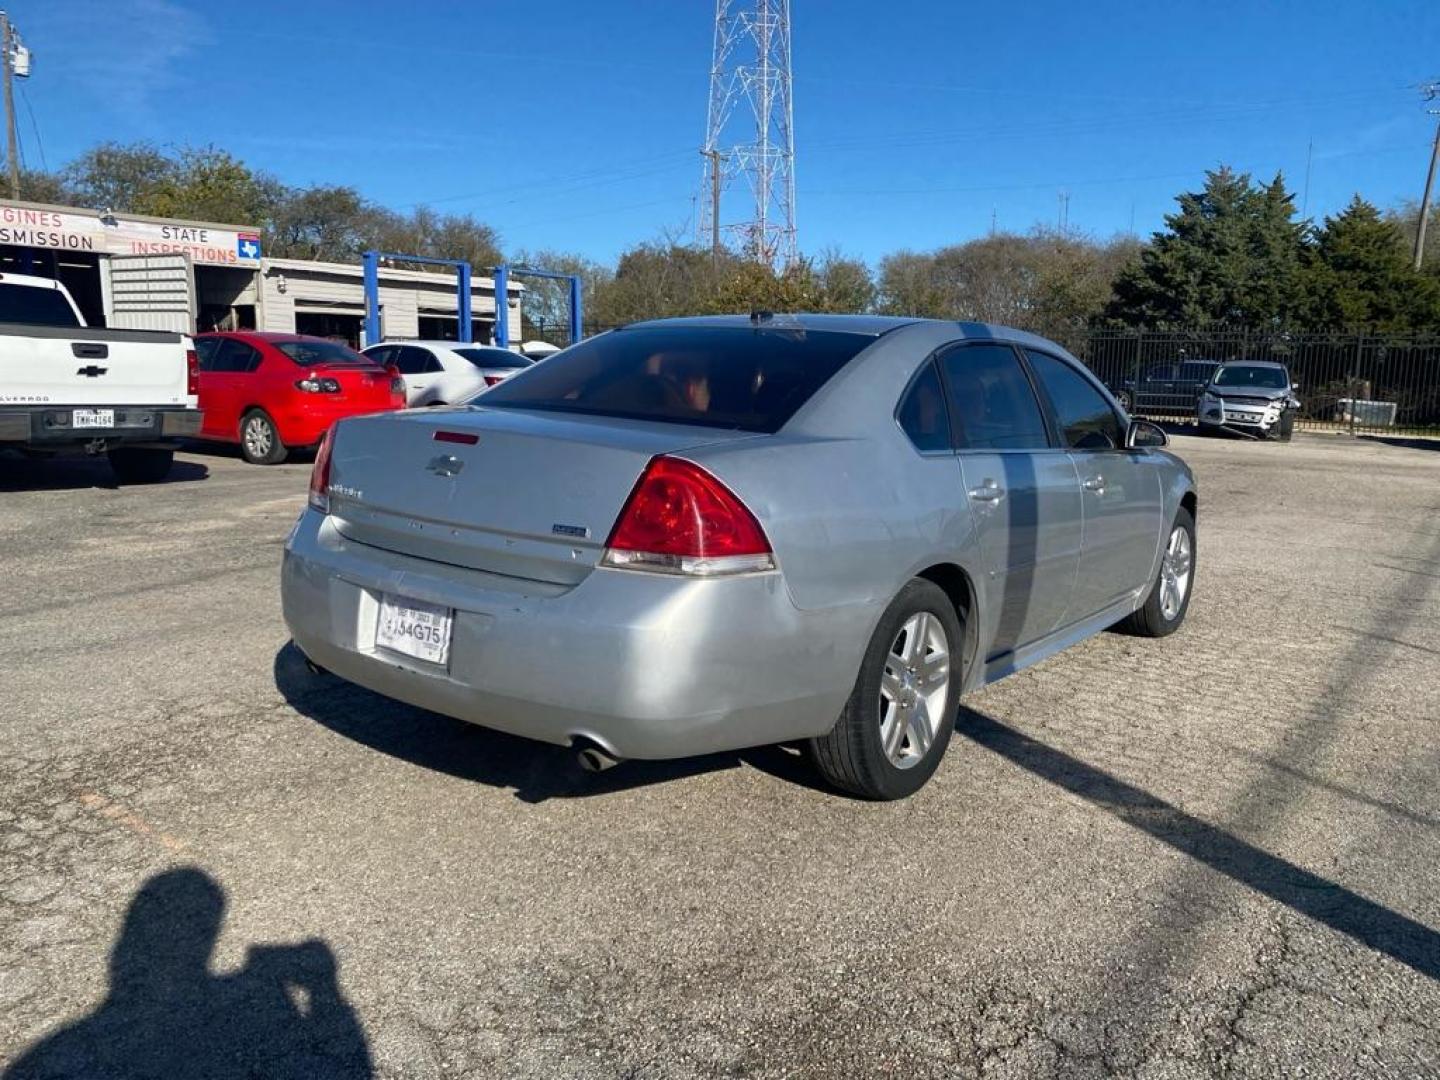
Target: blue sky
<point x="575" y="124"/>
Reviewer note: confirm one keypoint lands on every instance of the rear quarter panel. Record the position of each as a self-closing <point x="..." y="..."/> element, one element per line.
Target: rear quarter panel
<point x="851" y="508"/>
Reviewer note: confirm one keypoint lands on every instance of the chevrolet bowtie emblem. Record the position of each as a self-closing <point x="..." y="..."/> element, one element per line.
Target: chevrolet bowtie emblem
<point x="92" y="371"/>
<point x="445" y="465"/>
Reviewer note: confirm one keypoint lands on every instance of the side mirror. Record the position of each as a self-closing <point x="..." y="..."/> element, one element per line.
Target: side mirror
<point x="1143" y="434"/>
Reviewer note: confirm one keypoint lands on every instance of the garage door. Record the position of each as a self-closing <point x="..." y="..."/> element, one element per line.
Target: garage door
<point x="152" y="292"/>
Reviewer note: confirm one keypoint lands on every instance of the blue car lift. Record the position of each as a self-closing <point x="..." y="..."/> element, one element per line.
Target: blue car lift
<point x="371" y="264"/>
<point x="502" y="288"/>
<point x="370" y="261"/>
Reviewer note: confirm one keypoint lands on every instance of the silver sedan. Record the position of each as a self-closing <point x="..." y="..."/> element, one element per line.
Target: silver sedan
<point x="696" y="535"/>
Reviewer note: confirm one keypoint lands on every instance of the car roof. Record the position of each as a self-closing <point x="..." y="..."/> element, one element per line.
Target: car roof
<point x="863" y="325"/>
<point x="431" y="343"/>
<point x="272" y="336"/>
<point x="1253" y="363"/>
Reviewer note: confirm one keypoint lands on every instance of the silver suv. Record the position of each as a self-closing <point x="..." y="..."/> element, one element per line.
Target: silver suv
<point x="1252" y="397"/>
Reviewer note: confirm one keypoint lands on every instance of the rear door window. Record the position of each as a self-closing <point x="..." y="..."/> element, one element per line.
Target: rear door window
<point x="235" y="357"/>
<point x="205" y="350"/>
<point x="750" y="379"/>
<point x="384" y="355"/>
<point x="992" y="401"/>
<point x="1087" y="422"/>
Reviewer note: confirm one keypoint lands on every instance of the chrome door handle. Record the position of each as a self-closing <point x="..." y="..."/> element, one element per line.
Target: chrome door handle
<point x="987" y="492"/>
<point x="1095" y="484"/>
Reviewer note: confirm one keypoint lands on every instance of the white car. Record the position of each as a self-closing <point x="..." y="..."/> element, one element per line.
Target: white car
<point x="446" y="372"/>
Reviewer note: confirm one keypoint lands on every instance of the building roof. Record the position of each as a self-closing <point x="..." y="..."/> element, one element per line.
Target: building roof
<point x="387" y="273"/>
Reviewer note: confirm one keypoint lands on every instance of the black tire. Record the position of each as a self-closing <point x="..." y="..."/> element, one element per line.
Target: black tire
<point x="851" y="756"/>
<point x="265" y="447"/>
<point x="1285" y="428"/>
<point x="1149" y="620"/>
<point x="140" y="465"/>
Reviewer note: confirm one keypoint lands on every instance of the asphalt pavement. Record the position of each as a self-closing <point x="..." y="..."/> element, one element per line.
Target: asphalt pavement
<point x="1212" y="855"/>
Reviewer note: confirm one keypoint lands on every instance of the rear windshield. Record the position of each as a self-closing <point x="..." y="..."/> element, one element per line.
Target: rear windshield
<point x="492" y="358"/>
<point x="730" y="377"/>
<point x="1268" y="378"/>
<point x="306" y="353"/>
<point x="34" y="305"/>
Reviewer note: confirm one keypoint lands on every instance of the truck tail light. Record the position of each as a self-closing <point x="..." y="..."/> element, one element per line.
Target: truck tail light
<point x="680" y="519"/>
<point x="320" y="474"/>
<point x="192" y="372"/>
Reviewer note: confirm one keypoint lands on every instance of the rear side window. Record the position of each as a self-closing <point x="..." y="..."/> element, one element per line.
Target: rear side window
<point x="1087" y="422"/>
<point x="922" y="414"/>
<point x="730" y="377"/>
<point x="992" y="401"/>
<point x="36" y="306"/>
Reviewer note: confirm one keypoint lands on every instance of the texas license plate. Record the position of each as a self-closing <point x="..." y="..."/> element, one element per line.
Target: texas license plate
<point x="414" y="628"/>
<point x="92" y="418"/>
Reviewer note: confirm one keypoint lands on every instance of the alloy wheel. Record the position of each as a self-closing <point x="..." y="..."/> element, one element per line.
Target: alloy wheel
<point x="913" y="689"/>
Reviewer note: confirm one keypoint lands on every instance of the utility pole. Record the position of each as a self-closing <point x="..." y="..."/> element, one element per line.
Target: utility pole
<point x="714" y="156"/>
<point x="12" y="154"/>
<point x="1431" y="92"/>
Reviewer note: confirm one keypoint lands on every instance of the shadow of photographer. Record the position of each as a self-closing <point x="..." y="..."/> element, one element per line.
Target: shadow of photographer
<point x="281" y="1015"/>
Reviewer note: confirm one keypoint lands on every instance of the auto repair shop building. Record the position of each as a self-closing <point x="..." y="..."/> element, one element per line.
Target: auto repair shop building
<point x="149" y="273"/>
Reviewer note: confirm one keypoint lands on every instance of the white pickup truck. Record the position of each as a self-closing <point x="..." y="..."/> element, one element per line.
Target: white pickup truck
<point x="64" y="387"/>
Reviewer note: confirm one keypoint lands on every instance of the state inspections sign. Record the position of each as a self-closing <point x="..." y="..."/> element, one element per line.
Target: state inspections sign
<point x="65" y="231"/>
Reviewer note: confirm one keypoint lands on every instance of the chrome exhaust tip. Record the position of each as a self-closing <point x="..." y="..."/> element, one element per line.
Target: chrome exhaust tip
<point x="594" y="760"/>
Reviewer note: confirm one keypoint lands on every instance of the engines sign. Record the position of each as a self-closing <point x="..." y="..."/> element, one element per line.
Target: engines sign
<point x="26" y="226"/>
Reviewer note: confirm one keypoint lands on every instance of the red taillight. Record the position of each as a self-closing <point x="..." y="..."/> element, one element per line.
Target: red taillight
<point x="192" y="372"/>
<point x="320" y="474"/>
<point x="681" y="520"/>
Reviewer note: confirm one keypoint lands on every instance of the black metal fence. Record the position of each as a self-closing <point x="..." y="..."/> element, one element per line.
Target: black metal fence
<point x="1346" y="382"/>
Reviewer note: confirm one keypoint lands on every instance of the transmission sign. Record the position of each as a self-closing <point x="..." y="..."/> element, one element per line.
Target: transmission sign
<point x="61" y="230"/>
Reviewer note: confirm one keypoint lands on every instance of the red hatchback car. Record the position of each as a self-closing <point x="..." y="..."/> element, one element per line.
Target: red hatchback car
<point x="275" y="392"/>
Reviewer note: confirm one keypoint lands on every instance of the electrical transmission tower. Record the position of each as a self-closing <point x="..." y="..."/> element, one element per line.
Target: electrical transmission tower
<point x="750" y="132"/>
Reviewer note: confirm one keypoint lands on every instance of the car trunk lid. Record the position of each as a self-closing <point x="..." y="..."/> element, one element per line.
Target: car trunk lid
<point x="523" y="493"/>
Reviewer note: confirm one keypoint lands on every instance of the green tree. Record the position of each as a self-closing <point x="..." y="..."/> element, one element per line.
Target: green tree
<point x="1231" y="254"/>
<point x="1362" y="276"/>
<point x="121" y="178"/>
<point x="327" y="223"/>
<point x="45" y="187"/>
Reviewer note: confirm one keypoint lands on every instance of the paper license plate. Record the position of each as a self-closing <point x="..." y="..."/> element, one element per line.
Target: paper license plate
<point x="89" y="418"/>
<point x="414" y="628"/>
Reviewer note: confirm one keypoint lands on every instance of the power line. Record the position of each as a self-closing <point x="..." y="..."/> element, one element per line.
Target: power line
<point x="39" y="144"/>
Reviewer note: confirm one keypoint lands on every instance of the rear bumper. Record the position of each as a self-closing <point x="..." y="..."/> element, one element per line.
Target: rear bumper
<point x="50" y="427"/>
<point x="646" y="665"/>
<point x="305" y="423"/>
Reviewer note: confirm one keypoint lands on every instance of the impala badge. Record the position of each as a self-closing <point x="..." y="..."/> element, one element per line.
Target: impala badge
<point x="445" y="465"/>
